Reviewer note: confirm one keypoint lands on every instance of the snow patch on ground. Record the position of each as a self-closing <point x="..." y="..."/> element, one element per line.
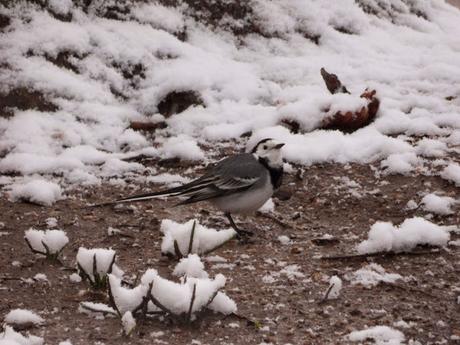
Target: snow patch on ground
<point x="382" y="335"/>
<point x="371" y="275"/>
<point x="37" y="191"/>
<point x="384" y="236"/>
<point x="23" y="316"/>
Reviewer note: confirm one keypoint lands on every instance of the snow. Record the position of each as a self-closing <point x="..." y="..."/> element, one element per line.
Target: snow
<point x="384" y="236"/>
<point x="191" y="266"/>
<point x="441" y="205"/>
<point x="204" y="240"/>
<point x="382" y="335"/>
<point x="248" y="83"/>
<point x="23" y="316"/>
<point x="55" y="240"/>
<point x="284" y="240"/>
<point x="10" y="337"/>
<point x="128" y="322"/>
<point x="335" y="285"/>
<point x="371" y="275"/>
<point x="75" y="278"/>
<point x="268" y="207"/>
<point x="37" y="191"/>
<point x="452" y="173"/>
<point x="104" y="259"/>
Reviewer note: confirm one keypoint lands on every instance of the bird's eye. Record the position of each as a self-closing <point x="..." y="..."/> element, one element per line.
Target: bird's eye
<point x="265" y="147"/>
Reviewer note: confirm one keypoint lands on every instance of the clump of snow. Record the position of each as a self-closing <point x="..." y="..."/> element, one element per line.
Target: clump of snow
<point x="384" y="236"/>
<point x="182" y="147"/>
<point x="60" y="6"/>
<point x="411" y="205"/>
<point x="452" y="173"/>
<point x="431" y="148"/>
<point x="284" y="240"/>
<point x="37" y="191"/>
<point x="23" y="316"/>
<point x="41" y="277"/>
<point x="382" y="335"/>
<point x="204" y="239"/>
<point x="400" y="163"/>
<point x="335" y="285"/>
<point x="51" y="222"/>
<point x="10" y="337"/>
<point x="46" y="242"/>
<point x="75" y="278"/>
<point x="438" y="204"/>
<point x="128" y="322"/>
<point x="371" y="275"/>
<point x="268" y="207"/>
<point x="191" y="266"/>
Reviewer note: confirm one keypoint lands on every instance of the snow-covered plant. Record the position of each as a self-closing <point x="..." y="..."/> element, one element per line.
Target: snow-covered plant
<point x="10" y="336"/>
<point x="95" y="264"/>
<point x="182" y="239"/>
<point x="156" y="295"/>
<point x="333" y="291"/>
<point x="49" y="243"/>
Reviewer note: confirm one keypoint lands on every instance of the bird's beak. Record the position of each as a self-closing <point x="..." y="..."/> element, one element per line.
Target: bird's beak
<point x="278" y="146"/>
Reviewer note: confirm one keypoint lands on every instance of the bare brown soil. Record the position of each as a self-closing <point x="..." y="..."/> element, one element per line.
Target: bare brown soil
<point x="285" y="311"/>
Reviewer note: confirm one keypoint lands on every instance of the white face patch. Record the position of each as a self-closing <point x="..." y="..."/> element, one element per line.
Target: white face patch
<point x="271" y="152"/>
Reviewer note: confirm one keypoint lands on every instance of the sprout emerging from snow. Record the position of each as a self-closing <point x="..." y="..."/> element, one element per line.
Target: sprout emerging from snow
<point x="159" y="296"/>
<point x="335" y="285"/>
<point x="95" y="264"/>
<point x="191" y="237"/>
<point x="49" y="243"/>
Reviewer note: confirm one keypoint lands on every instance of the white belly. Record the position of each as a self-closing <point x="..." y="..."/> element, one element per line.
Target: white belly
<point x="245" y="202"/>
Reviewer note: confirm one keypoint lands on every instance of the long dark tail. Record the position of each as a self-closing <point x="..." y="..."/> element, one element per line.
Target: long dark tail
<point x="185" y="190"/>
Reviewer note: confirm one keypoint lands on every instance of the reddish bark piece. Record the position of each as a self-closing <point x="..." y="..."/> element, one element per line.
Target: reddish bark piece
<point x="351" y="120"/>
<point x="333" y="84"/>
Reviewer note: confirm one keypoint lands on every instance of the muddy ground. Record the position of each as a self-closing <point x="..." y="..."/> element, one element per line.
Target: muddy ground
<point x="315" y="201"/>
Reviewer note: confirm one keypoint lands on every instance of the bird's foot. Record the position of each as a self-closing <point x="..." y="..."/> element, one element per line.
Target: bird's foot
<point x="244" y="236"/>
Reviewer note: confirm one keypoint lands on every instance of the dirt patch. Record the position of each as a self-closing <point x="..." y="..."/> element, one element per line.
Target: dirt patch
<point x="24" y="99"/>
<point x="287" y="310"/>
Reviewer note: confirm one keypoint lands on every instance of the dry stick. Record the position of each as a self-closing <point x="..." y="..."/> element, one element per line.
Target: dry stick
<point x="327" y="294"/>
<point x="189" y="314"/>
<point x="177" y="250"/>
<point x="192" y="235"/>
<point x="278" y="221"/>
<point x="408" y="288"/>
<point x="382" y="254"/>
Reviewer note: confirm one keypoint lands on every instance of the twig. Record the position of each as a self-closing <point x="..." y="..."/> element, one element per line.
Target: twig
<point x="277" y="220"/>
<point x="378" y="254"/>
<point x="326" y="294"/>
<point x="408" y="288"/>
<point x="192" y="235"/>
<point x="177" y="250"/>
<point x="192" y="300"/>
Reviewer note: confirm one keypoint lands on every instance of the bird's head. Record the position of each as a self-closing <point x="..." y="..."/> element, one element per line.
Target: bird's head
<point x="270" y="150"/>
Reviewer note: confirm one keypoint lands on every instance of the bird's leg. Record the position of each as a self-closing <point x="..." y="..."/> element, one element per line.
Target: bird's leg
<point x="240" y="234"/>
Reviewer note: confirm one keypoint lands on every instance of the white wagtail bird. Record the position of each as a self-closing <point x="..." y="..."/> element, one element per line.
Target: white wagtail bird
<point x="241" y="183"/>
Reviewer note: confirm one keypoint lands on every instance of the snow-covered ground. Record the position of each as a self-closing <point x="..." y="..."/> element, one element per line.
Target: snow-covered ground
<point x="117" y="71"/>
